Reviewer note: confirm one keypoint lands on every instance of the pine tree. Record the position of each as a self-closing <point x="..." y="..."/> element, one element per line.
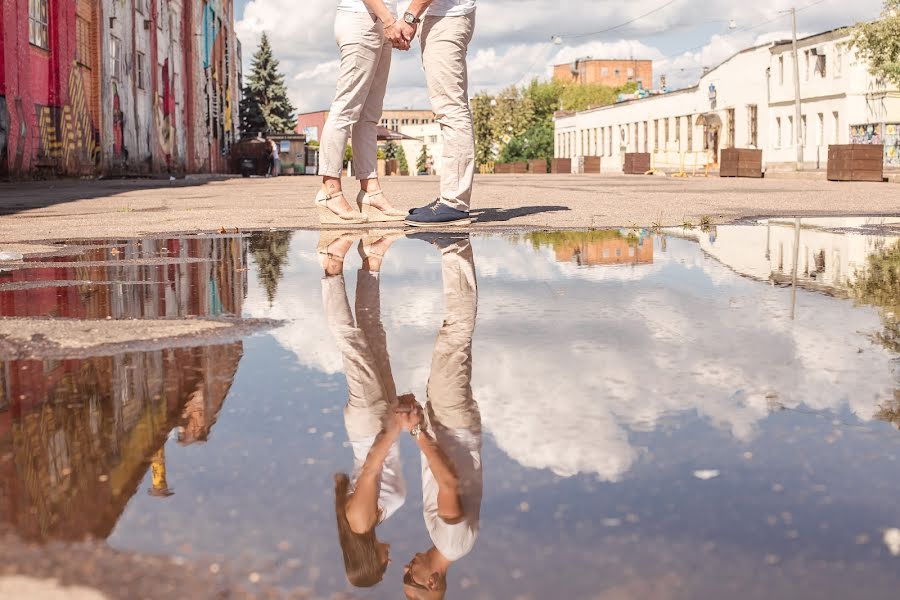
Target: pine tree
<point x="422" y="160"/>
<point x="270" y="250"/>
<point x="265" y="106"/>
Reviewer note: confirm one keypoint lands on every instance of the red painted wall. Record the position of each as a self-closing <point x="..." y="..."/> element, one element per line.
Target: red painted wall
<point x="32" y="78"/>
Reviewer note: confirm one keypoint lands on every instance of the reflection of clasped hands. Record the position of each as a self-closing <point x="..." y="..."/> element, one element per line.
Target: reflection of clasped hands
<point x="406" y="416"/>
<point x="400" y="33"/>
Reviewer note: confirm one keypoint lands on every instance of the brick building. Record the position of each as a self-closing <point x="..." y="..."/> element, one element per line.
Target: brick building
<point x="613" y="73"/>
<point x="311" y="124"/>
<point x="112" y="87"/>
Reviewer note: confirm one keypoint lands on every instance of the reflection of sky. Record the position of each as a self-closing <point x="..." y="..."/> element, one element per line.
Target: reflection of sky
<point x="585" y="376"/>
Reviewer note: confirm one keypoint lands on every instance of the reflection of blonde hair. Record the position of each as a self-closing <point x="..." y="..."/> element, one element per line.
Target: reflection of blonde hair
<point x="362" y="564"/>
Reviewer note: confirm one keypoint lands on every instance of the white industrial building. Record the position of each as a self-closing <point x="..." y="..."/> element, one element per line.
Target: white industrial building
<point x="746" y="102"/>
<point x="427" y="134"/>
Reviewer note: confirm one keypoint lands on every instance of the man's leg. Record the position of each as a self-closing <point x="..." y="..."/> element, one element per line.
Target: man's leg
<point x="450" y="401"/>
<point x="445" y="42"/>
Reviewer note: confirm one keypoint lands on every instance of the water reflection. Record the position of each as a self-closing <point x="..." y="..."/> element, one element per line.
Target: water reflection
<point x="654" y="422"/>
<point x="128" y="279"/>
<point x="77" y="436"/>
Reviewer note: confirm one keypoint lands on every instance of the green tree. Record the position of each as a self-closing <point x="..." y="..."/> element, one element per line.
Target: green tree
<point x="512" y="115"/>
<point x="401" y="159"/>
<point x="536" y="143"/>
<point x="422" y="160"/>
<point x="878" y="43"/>
<point x="390" y="150"/>
<point x="270" y="251"/>
<point x="265" y="106"/>
<point x="482" y="114"/>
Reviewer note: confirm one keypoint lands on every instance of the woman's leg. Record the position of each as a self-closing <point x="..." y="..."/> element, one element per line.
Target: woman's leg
<point x="365" y="133"/>
<point x="360" y="40"/>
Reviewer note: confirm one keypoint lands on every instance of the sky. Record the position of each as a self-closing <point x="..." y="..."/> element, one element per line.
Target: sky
<point x="512" y="41"/>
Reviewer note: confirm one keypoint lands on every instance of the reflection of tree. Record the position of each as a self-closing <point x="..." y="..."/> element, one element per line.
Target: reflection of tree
<point x="878" y="284"/>
<point x="890" y="411"/>
<point x="270" y="250"/>
<point x="558" y="239"/>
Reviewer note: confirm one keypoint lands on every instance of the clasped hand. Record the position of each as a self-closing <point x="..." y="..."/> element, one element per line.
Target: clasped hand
<point x="408" y="413"/>
<point x="401" y="34"/>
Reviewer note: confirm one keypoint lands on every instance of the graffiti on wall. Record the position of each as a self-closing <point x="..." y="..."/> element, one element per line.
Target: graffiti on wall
<point x="66" y="134"/>
<point x="165" y="116"/>
<point x="892" y="144"/>
<point x="865" y="134"/>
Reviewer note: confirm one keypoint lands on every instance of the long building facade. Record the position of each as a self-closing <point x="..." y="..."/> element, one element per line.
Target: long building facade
<point x="117" y="87"/>
<point x="747" y="102"/>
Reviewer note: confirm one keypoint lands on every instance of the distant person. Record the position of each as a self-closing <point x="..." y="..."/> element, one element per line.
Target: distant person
<point x="374" y="416"/>
<point x="276" y="158"/>
<point x="449" y="437"/>
<point x="366" y="32"/>
<point x="447" y="30"/>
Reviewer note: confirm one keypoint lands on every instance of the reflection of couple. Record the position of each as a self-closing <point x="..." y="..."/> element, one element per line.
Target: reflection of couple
<point x="447" y="431"/>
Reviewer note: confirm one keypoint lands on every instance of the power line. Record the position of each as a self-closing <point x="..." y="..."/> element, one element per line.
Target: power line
<point x="620" y="25"/>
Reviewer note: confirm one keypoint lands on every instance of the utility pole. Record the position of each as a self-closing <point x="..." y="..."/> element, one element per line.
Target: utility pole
<point x="798" y="129"/>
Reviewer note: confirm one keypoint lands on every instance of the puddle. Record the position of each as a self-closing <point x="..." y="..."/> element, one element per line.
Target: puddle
<point x="669" y="414"/>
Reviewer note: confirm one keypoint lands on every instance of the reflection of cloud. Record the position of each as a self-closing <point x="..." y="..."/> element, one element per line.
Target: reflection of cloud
<point x="565" y="369"/>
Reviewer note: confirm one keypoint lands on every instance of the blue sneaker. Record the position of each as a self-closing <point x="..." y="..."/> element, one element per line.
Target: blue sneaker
<point x="429" y="206"/>
<point x="439" y="215"/>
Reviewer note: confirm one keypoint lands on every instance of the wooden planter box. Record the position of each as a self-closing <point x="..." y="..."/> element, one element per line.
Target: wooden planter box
<point x="561" y="166"/>
<point x="856" y="162"/>
<point x="538" y="167"/>
<point x="591" y="164"/>
<point x="501" y="169"/>
<point x="518" y="167"/>
<point x="636" y="163"/>
<point x="741" y="162"/>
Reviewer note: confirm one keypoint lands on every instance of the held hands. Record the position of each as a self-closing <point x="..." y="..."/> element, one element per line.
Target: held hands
<point x="407" y="415"/>
<point x="401" y="34"/>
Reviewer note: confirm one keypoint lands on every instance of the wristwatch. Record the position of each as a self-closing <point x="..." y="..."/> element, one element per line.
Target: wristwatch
<point x="411" y="19"/>
<point x="417" y="430"/>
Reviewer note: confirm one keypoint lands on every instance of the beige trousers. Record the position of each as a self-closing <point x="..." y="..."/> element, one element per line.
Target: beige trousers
<point x="445" y="43"/>
<point x="363" y="345"/>
<point x="450" y="401"/>
<point x="359" y="99"/>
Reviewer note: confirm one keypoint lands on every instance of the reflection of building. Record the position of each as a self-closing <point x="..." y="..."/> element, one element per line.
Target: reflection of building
<point x="596" y="248"/>
<point x="830" y="260"/>
<point x="78" y="436"/>
<point x="212" y="286"/>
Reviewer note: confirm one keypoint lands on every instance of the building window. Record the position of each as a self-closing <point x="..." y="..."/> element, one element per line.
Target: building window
<point x="803" y="137"/>
<point x="630" y="73"/>
<point x="806" y="65"/>
<point x="791" y="131"/>
<point x="604" y="71"/>
<point x="404" y="122"/>
<point x="678" y="131"/>
<point x="781" y="70"/>
<point x="667" y="136"/>
<point x="690" y="133"/>
<point x="140" y="69"/>
<point x="115" y="56"/>
<point x="836" y="134"/>
<point x="729" y="116"/>
<point x="83" y="42"/>
<point x="617" y="72"/>
<point x="656" y="135"/>
<point x="820" y="130"/>
<point x="37" y="24"/>
<point x="821" y="65"/>
<point x="646" y="136"/>
<point x="778" y="132"/>
<point x="753" y="118"/>
<point x="838" y="60"/>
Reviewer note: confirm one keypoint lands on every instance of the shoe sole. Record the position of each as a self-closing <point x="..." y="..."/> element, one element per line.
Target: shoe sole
<point x="445" y="224"/>
<point x="328" y="217"/>
<point x="375" y="215"/>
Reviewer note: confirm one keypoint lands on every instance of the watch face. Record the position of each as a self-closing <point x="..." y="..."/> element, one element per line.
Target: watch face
<point x="409" y="18"/>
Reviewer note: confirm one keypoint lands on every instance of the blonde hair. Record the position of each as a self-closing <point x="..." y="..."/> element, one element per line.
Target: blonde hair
<point x="362" y="564"/>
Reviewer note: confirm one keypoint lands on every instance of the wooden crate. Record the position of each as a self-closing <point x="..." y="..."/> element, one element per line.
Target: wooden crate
<point x="591" y="164"/>
<point x="518" y="168"/>
<point x="538" y="167"/>
<point x="741" y="162"/>
<point x="856" y="162"/>
<point x="636" y="163"/>
<point x="561" y="166"/>
<point x="501" y="169"/>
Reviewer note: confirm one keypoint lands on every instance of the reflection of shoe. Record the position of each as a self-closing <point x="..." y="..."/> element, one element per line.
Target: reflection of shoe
<point x="375" y="214"/>
<point x="441" y="239"/>
<point x="330" y="216"/>
<point x="327" y="240"/>
<point x="429" y="206"/>
<point x="439" y="215"/>
<point x="367" y="245"/>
